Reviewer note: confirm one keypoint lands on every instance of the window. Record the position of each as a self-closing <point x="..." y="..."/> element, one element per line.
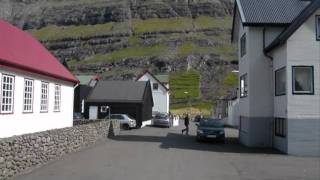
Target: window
<point x="155" y="86"/>
<point x="28" y="96"/>
<point x="318" y="28"/>
<point x="243" y="86"/>
<point x="280" y="127"/>
<point x="302" y="80"/>
<point x="44" y="97"/>
<point x="104" y="109"/>
<point x="7" y="94"/>
<point x="243" y="48"/>
<point x="280" y="82"/>
<point x="57" y="98"/>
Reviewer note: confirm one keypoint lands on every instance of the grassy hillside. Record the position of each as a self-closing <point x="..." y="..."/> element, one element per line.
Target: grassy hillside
<point x="185" y="85"/>
<point x="170" y="38"/>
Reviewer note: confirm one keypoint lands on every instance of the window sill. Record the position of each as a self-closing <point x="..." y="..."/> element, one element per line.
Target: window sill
<point x="303" y="93"/>
<point x="281" y="136"/>
<point x="277" y="95"/>
<point x="27" y="112"/>
<point x="6" y="113"/>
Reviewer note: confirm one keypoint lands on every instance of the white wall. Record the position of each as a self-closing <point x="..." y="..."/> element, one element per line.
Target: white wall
<point x="21" y="123"/>
<point x="233" y="113"/>
<point x="160" y="96"/>
<point x="279" y="61"/>
<point x="304" y="49"/>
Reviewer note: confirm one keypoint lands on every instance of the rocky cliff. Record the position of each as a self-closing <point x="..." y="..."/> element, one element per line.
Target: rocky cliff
<point x="120" y="38"/>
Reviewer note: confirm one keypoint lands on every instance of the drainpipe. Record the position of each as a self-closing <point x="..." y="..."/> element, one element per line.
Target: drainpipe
<point x="271" y="66"/>
<point x="264" y="45"/>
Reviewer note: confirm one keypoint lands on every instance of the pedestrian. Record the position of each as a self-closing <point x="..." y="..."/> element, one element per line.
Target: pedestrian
<point x="186" y="123"/>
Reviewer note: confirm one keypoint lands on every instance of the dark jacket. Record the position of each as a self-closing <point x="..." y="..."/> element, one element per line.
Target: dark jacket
<point x="186" y="121"/>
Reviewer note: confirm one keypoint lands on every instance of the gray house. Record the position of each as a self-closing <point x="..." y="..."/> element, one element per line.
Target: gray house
<point x="122" y="97"/>
<point x="279" y="69"/>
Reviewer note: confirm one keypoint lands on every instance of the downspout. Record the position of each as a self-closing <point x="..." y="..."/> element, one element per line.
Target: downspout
<point x="264" y="45"/>
<point x="271" y="66"/>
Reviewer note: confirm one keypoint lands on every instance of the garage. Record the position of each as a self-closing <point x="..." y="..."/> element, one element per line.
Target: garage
<point x="120" y="97"/>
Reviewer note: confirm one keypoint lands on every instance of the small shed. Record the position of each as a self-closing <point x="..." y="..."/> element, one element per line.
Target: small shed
<point x="122" y="97"/>
<point x="81" y="92"/>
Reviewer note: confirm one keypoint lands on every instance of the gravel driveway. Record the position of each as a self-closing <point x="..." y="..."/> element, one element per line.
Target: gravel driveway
<point x="164" y="154"/>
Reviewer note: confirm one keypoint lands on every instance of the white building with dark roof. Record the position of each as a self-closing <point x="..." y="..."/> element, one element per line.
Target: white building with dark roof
<point x="279" y="71"/>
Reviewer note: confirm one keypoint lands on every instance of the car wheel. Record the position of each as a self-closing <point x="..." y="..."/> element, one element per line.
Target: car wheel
<point x="126" y="127"/>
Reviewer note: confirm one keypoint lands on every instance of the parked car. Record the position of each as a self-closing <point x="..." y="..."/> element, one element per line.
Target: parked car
<point x="210" y="129"/>
<point x="162" y="119"/>
<point x="126" y="122"/>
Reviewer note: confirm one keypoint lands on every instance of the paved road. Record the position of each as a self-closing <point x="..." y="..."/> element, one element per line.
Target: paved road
<point x="164" y="154"/>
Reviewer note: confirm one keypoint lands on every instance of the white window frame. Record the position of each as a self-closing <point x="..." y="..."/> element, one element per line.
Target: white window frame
<point x="155" y="86"/>
<point x="244" y="86"/>
<point x="57" y="98"/>
<point x="311" y="81"/>
<point x="104" y="109"/>
<point x="44" y="99"/>
<point x="6" y="107"/>
<point x="276" y="76"/>
<point x="243" y="45"/>
<point x="28" y="95"/>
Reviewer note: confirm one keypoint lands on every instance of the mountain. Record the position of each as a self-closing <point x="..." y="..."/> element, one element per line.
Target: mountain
<point x="118" y="39"/>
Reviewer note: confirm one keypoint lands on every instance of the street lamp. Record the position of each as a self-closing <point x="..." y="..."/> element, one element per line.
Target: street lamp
<point x="109" y="114"/>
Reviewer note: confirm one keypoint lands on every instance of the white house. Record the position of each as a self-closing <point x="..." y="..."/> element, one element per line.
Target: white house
<point x="279" y="69"/>
<point x="160" y="90"/>
<point x="36" y="91"/>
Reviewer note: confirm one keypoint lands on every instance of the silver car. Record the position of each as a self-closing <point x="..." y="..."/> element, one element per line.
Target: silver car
<point x="162" y="119"/>
<point x="126" y="122"/>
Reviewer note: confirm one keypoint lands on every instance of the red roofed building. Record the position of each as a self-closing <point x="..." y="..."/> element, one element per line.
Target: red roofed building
<point x="36" y="90"/>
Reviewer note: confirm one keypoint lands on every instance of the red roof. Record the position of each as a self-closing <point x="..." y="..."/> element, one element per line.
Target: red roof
<point x="20" y="50"/>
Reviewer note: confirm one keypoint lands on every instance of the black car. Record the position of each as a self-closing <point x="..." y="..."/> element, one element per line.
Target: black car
<point x="210" y="129"/>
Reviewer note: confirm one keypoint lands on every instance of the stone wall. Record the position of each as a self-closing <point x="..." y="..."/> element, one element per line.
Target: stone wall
<point x="20" y="153"/>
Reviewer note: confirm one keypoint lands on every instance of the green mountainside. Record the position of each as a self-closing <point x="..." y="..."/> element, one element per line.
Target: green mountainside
<point x="118" y="39"/>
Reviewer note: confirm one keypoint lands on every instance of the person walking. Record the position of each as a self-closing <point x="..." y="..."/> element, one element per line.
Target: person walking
<point x="186" y="123"/>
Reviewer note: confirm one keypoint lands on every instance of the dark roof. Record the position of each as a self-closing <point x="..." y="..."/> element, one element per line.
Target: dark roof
<point x="119" y="91"/>
<point x="305" y="14"/>
<point x="261" y="12"/>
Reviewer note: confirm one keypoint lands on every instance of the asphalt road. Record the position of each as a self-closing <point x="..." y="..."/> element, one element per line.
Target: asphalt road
<point x="164" y="154"/>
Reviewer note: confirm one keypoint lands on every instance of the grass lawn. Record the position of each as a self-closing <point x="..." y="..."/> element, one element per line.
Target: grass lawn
<point x="188" y="81"/>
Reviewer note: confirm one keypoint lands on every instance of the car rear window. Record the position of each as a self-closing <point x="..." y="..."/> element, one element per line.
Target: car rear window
<point x="211" y="123"/>
<point x="161" y="116"/>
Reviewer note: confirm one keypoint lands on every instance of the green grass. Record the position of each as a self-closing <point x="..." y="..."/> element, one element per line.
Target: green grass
<point x="225" y="50"/>
<point x="206" y="22"/>
<point x="53" y="32"/>
<point x="62" y="32"/>
<point x="231" y="80"/>
<point x="194" y="108"/>
<point x="124" y="53"/>
<point x="158" y="25"/>
<point x="182" y="82"/>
